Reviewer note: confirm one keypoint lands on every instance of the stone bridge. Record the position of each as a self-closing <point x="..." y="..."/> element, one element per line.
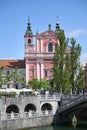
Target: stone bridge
<point x="32" y="111"/>
<point x="29" y="106"/>
<point x="77" y="106"/>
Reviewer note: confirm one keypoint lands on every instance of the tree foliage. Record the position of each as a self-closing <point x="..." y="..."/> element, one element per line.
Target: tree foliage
<point x="39" y="84"/>
<point x="66" y="64"/>
<point x="15" y="76"/>
<point x="59" y="60"/>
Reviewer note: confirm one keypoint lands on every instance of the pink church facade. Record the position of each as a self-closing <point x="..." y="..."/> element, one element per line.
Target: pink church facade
<point x="39" y="55"/>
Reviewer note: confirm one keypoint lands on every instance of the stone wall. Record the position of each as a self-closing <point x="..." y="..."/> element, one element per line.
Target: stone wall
<point x="26" y="123"/>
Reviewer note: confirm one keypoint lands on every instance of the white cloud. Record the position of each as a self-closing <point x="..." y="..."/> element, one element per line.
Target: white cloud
<point x="76" y="33"/>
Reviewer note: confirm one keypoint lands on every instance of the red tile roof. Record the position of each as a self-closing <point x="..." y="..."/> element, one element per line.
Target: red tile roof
<point x="12" y="63"/>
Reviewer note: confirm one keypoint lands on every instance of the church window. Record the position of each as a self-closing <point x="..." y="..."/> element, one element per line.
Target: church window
<point x="50" y="47"/>
<point x="45" y="73"/>
<point x="32" y="72"/>
<point x="51" y="73"/>
<point x="29" y="40"/>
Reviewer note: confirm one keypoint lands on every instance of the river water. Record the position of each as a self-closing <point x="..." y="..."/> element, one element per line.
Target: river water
<point x="58" y="128"/>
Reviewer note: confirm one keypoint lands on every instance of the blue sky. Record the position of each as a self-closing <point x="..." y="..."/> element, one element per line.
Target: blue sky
<point x="14" y="16"/>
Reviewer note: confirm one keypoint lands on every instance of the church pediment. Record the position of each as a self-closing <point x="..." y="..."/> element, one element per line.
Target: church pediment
<point x="48" y="33"/>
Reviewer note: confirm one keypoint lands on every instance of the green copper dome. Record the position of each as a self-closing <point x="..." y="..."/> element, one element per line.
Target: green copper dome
<point x="28" y="31"/>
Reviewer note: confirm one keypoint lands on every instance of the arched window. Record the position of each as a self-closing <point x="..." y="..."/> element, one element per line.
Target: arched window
<point x="45" y="73"/>
<point x="32" y="72"/>
<point x="29" y="40"/>
<point x="50" y="47"/>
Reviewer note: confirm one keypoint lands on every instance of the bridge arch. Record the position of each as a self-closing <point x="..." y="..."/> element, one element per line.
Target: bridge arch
<point x="12" y="108"/>
<point x="29" y="107"/>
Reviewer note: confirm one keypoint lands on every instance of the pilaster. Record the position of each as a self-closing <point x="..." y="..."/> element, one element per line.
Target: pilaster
<point x="27" y="72"/>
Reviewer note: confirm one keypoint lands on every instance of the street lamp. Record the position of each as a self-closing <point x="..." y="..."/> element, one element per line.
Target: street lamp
<point x="71" y="89"/>
<point x="60" y="88"/>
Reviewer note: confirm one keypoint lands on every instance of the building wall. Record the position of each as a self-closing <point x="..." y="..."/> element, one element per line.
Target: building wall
<point x="39" y="56"/>
<point x="26" y="123"/>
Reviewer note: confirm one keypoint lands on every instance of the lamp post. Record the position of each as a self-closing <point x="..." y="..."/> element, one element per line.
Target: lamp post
<point x="60" y="88"/>
<point x="71" y="89"/>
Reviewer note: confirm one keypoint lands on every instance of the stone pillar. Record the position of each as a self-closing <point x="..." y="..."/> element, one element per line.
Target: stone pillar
<point x="21" y="109"/>
<point x="3" y="108"/>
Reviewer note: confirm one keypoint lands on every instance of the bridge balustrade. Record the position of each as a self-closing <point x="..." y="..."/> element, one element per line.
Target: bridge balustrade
<point x="12" y="115"/>
<point x="47" y="113"/>
<point x="30" y="114"/>
<point x="73" y="102"/>
<point x="50" y="97"/>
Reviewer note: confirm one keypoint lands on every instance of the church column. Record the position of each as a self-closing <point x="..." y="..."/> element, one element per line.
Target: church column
<point x="38" y="71"/>
<point x="46" y="48"/>
<point x="37" y="46"/>
<point x="42" y="70"/>
<point x="27" y="73"/>
<point x="41" y="45"/>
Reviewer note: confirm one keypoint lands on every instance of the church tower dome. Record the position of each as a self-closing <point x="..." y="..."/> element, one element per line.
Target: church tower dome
<point x="29" y="31"/>
<point x="57" y="25"/>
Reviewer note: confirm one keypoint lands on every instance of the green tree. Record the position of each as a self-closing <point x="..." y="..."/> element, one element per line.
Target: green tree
<point x="4" y="77"/>
<point x="67" y="69"/>
<point x="39" y="84"/>
<point x="34" y="83"/>
<point x="17" y="77"/>
<point x="66" y="80"/>
<point x="75" y="61"/>
<point x="80" y="80"/>
<point x="59" y="60"/>
<point x="1" y="75"/>
<point x="44" y="84"/>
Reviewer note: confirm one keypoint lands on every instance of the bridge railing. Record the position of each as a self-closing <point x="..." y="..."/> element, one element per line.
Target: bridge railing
<point x="72" y="103"/>
<point x="50" y="97"/>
